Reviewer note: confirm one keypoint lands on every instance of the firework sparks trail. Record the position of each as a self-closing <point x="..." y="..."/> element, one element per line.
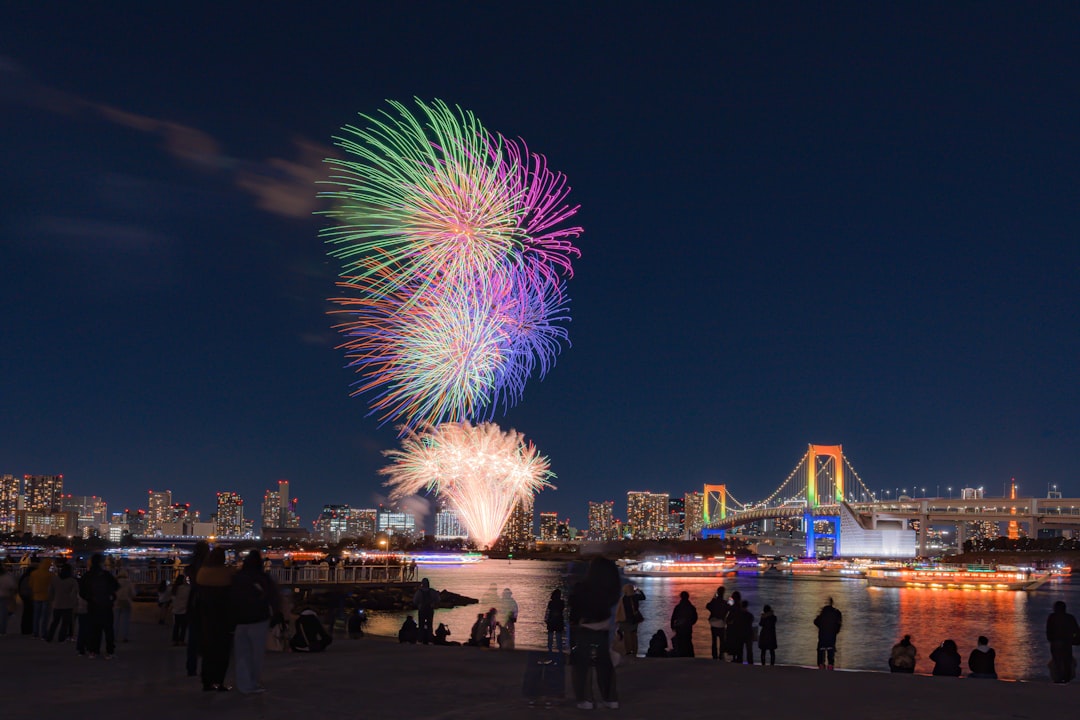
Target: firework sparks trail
<point x="454" y="246"/>
<point x="480" y="470"/>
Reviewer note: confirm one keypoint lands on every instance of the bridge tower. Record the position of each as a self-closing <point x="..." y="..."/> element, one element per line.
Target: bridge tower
<point x="714" y="507"/>
<point x="834" y="456"/>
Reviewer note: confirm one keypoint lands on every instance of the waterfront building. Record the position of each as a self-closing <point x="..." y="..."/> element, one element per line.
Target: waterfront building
<point x="676" y="517"/>
<point x="158" y="506"/>
<point x="396" y="522"/>
<point x="278" y="509"/>
<point x="332" y="524"/>
<point x="43" y="523"/>
<point x="230" y="514"/>
<point x="549" y="526"/>
<point x="43" y="492"/>
<point x="518" y="531"/>
<point x="362" y="522"/>
<point x="9" y="502"/>
<point x="602" y="520"/>
<point x="647" y="514"/>
<point x="448" y="526"/>
<point x="694" y="510"/>
<point x="90" y="511"/>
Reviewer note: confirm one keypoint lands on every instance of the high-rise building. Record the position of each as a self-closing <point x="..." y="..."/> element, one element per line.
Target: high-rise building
<point x="362" y="522"/>
<point x="271" y="510"/>
<point x="448" y="526"/>
<point x="230" y="514"/>
<point x="647" y="514"/>
<point x="518" y="531"/>
<point x="676" y="517"/>
<point x="549" y="526"/>
<point x="602" y="520"/>
<point x="43" y="492"/>
<point x="9" y="502"/>
<point x="694" y="505"/>
<point x="158" y="509"/>
<point x="394" y="522"/>
<point x="90" y="512"/>
<point x="333" y="523"/>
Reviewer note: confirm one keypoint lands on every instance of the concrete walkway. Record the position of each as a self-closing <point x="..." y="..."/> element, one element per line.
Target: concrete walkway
<point x="377" y="678"/>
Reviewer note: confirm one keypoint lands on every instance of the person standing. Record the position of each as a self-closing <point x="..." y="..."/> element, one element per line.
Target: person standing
<point x="98" y="587"/>
<point x="424" y="600"/>
<point x="125" y="598"/>
<point x="981" y="660"/>
<point x="591" y="601"/>
<point x="683" y="618"/>
<point x="194" y="632"/>
<point x="40" y="582"/>
<point x="64" y="596"/>
<point x="215" y="619"/>
<point x="254" y="598"/>
<point x="902" y="657"/>
<point x="181" y="593"/>
<point x="9" y="590"/>
<point x="26" y="596"/>
<point x="628" y="617"/>
<point x="555" y="621"/>
<point x="1062" y="632"/>
<point x="767" y="634"/>
<point x="718" y="610"/>
<point x="828" y="623"/>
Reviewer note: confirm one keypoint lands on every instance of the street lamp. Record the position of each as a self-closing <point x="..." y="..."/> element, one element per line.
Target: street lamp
<point x="950" y="493"/>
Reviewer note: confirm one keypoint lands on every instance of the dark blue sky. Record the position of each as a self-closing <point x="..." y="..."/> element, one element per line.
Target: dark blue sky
<point x="853" y="225"/>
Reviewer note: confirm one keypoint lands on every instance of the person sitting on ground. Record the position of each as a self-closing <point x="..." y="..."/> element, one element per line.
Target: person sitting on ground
<point x="441" y="633"/>
<point x="409" y="632"/>
<point x="354" y="625"/>
<point x="657" y="646"/>
<point x="981" y="660"/>
<point x="946" y="659"/>
<point x="310" y="635"/>
<point x="478" y="632"/>
<point x="902" y="659"/>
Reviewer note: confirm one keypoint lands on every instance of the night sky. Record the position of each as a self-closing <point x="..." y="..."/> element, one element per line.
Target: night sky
<point x="850" y="223"/>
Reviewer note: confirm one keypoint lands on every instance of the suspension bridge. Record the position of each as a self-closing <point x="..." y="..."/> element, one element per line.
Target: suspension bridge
<point x="827" y="497"/>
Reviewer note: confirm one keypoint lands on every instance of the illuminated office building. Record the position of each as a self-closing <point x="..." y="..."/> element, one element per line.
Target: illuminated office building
<point x="602" y="520"/>
<point x="158" y="510"/>
<point x="549" y="526"/>
<point x="230" y="514"/>
<point x="43" y="492"/>
<point x="9" y="502"/>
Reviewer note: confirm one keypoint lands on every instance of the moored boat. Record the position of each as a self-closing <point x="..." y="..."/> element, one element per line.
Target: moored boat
<point x="955" y="577"/>
<point x="696" y="567"/>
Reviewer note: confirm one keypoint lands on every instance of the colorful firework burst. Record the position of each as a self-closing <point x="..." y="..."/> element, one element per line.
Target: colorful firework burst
<point x="454" y="248"/>
<point x="480" y="470"/>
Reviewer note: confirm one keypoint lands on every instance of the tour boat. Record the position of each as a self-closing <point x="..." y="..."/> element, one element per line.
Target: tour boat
<point x="696" y="567"/>
<point x="955" y="577"/>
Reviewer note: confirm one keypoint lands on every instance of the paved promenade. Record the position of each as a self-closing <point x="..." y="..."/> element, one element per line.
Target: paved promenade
<point x="377" y="678"/>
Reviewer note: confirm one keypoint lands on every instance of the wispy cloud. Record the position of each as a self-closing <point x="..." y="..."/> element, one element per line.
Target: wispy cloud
<point x="283" y="186"/>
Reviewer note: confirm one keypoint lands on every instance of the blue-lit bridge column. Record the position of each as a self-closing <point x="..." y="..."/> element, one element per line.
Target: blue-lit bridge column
<point x="812" y="535"/>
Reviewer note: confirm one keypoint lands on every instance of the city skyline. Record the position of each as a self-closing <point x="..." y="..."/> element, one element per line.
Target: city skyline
<point x="840" y="225"/>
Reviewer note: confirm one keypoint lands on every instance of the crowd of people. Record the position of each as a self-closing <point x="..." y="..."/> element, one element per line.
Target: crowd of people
<point x="221" y="613"/>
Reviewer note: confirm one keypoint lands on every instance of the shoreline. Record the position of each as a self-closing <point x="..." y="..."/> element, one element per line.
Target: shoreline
<point x="376" y="675"/>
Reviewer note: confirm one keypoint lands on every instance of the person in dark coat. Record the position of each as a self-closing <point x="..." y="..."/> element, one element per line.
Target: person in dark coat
<point x="98" y="588"/>
<point x="1062" y="632"/>
<point x="981" y="660"/>
<point x="310" y="634"/>
<point x="946" y="659"/>
<point x="767" y="635"/>
<point x="194" y="629"/>
<point x="683" y="619"/>
<point x="718" y="609"/>
<point x="902" y="657"/>
<point x="828" y="622"/>
<point x="555" y="620"/>
<point x="409" y="631"/>
<point x="215" y="619"/>
<point x="733" y="640"/>
<point x="657" y="646"/>
<point x="591" y="602"/>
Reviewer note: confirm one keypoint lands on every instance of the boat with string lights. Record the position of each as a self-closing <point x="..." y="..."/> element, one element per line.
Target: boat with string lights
<point x="954" y="577"/>
<point x="681" y="567"/>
